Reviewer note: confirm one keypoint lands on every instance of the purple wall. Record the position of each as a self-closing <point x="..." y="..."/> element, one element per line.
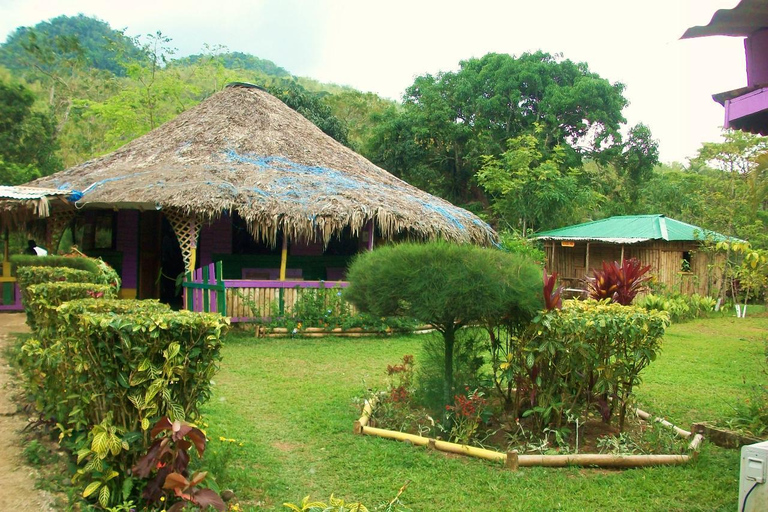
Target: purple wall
<point x="215" y="238"/>
<point x="128" y="243"/>
<point x="756" y="47"/>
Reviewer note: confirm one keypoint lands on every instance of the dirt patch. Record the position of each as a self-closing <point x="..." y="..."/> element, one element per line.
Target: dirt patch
<point x="18" y="480"/>
<point x="285" y="447"/>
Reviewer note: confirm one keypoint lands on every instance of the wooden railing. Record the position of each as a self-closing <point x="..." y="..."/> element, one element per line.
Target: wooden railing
<point x="242" y="299"/>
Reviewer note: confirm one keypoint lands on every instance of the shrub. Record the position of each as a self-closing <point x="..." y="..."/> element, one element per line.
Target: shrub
<point x="105" y="377"/>
<point x="679" y="307"/>
<point x="586" y="354"/>
<point x="446" y="285"/>
<point x="102" y="273"/>
<point x="44" y="298"/>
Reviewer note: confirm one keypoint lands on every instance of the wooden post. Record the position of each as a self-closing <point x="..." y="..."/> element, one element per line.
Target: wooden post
<point x="6" y="256"/>
<point x="511" y="461"/>
<point x="284" y="257"/>
<point x="586" y="261"/>
<point x="371" y="234"/>
<point x="552" y="268"/>
<point x="622" y="254"/>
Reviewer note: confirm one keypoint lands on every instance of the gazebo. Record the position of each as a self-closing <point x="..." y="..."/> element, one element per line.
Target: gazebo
<point x="242" y="178"/>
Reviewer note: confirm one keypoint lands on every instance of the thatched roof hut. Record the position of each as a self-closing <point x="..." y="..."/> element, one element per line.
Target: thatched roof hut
<point x="244" y="150"/>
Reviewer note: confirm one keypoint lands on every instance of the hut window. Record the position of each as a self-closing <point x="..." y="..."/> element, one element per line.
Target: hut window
<point x="685" y="264"/>
<point x="96" y="230"/>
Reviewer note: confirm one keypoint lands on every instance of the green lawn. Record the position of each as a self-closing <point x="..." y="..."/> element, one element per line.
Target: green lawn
<point x="290" y="402"/>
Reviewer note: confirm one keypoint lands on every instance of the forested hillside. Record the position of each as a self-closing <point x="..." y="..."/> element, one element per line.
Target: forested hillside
<point x="530" y="142"/>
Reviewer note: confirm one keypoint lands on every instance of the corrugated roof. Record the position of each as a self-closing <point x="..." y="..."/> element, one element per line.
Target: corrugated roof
<point x="631" y="229"/>
<point x="28" y="193"/>
<point x="744" y="19"/>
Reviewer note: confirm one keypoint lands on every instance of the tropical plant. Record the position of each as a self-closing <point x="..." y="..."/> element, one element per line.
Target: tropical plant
<point x="620" y="282"/>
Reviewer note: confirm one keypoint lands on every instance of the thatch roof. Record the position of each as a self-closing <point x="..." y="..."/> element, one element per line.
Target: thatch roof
<point x="244" y="150"/>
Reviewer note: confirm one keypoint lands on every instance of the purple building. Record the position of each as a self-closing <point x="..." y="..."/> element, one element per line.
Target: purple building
<point x="746" y="108"/>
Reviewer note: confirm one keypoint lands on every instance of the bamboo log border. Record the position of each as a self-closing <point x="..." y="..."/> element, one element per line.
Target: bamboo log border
<point x="319" y="332"/>
<point x="512" y="460"/>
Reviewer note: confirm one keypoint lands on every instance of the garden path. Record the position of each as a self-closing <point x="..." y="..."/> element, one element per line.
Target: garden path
<point x="18" y="480"/>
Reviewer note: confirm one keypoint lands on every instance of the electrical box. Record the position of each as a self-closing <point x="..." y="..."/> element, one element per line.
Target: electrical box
<point x="753" y="489"/>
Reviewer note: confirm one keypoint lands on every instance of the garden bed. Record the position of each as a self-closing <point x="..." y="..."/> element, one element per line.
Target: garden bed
<point x="592" y="432"/>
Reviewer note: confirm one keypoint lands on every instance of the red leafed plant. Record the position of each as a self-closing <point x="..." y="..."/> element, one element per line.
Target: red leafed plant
<point x="620" y="283"/>
<point x="553" y="297"/>
<point x="169" y="457"/>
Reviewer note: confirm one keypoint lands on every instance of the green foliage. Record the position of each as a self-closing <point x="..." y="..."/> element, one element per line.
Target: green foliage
<point x="44" y="298"/>
<point x="238" y="61"/>
<point x="27" y="136"/>
<point x="311" y="106"/>
<point x="679" y="307"/>
<point x="587" y="354"/>
<point x="468" y="367"/>
<point x="101" y="272"/>
<point x="450" y="119"/>
<point x="89" y="39"/>
<point x="333" y="505"/>
<point x="530" y="192"/>
<point x="445" y="285"/>
<point x="512" y="241"/>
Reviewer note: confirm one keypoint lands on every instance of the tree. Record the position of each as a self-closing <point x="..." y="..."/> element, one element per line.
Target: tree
<point x="456" y="118"/>
<point x="530" y="193"/>
<point x="97" y="44"/>
<point x="639" y="156"/>
<point x="27" y="137"/>
<point x="448" y="286"/>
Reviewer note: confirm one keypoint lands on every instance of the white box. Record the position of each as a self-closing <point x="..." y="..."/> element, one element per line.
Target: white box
<point x="753" y="489"/>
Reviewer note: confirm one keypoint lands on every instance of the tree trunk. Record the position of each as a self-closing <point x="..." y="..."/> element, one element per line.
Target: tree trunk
<point x="449" y="339"/>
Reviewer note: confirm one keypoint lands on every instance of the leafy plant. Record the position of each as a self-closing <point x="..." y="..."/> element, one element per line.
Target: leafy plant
<point x="333" y="505"/>
<point x="167" y="462"/>
<point x="618" y="282"/>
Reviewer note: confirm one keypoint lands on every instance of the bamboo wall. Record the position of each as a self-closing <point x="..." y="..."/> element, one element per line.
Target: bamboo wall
<point x="665" y="259"/>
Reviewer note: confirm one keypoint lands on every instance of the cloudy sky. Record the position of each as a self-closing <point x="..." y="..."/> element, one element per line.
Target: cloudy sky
<point x="381" y="46"/>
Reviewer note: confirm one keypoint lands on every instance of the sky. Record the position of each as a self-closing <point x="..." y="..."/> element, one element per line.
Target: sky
<point x="382" y="46"/>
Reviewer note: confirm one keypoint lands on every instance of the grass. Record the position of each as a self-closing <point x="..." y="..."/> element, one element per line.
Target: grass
<point x="290" y="403"/>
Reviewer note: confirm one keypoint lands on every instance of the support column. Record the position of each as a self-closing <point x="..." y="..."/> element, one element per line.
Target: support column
<point x="186" y="226"/>
<point x="622" y="254"/>
<point x="55" y="227"/>
<point x="586" y="261"/>
<point x="371" y="234"/>
<point x="284" y="257"/>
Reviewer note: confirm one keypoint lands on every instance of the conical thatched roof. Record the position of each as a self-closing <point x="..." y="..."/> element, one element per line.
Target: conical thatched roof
<point x="243" y="149"/>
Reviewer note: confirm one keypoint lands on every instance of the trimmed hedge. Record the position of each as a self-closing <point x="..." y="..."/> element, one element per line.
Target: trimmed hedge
<point x="138" y="365"/>
<point x="102" y="273"/>
<point x="44" y="298"/>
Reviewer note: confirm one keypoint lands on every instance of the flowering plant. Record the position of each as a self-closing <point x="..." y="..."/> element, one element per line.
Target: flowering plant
<point x="467" y="411"/>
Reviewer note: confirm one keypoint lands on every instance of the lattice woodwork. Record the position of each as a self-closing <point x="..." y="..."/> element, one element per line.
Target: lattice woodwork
<point x="186" y="226"/>
<point x="57" y="223"/>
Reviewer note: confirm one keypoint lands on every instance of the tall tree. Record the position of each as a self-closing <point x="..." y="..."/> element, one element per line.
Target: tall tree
<point x="456" y="118"/>
<point x="27" y="137"/>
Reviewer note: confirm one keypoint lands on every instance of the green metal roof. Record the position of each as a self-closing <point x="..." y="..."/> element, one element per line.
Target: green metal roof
<point x="631" y="229"/>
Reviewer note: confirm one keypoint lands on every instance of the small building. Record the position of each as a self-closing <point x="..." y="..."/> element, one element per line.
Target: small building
<point x="677" y="252"/>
